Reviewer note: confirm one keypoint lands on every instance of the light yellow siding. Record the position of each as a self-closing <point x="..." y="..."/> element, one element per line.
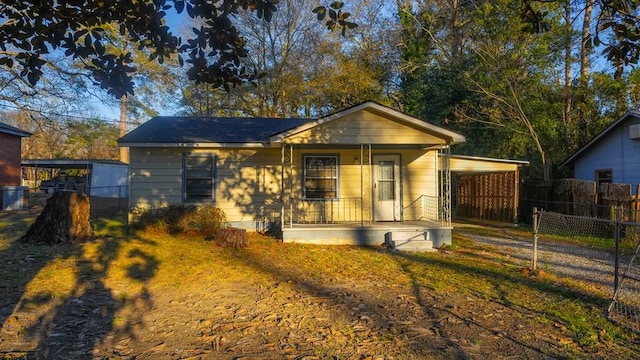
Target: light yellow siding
<point x="418" y="176"/>
<point x="155" y="177"/>
<point x="364" y="127"/>
<point x="247" y="181"/>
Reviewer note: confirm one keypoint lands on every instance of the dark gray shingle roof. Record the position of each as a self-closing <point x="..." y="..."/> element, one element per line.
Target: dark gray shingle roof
<point x="8" y="129"/>
<point x="171" y="129"/>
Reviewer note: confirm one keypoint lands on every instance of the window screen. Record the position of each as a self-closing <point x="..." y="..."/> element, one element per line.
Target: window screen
<point x="320" y="177"/>
<point x="199" y="178"/>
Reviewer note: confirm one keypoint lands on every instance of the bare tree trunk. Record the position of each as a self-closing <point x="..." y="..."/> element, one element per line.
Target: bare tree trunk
<point x="124" y="151"/>
<point x="568" y="98"/>
<point x="585" y="47"/>
<point x="64" y="220"/>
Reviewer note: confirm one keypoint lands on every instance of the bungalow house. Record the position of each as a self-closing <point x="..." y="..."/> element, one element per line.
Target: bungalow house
<point x="612" y="156"/>
<point x="10" y="170"/>
<point x="364" y="175"/>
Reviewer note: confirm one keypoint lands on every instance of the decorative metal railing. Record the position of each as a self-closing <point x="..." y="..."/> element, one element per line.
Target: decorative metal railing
<point x="351" y="211"/>
<point x="326" y="211"/>
<point x="426" y="208"/>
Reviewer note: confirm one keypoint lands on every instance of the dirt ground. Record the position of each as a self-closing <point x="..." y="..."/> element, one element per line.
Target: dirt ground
<point x="232" y="311"/>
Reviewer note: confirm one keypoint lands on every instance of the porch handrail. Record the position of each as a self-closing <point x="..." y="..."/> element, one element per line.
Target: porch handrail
<point x="326" y="211"/>
<point x="425" y="208"/>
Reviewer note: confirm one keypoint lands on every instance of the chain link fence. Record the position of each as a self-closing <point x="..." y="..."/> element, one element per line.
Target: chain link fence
<point x="607" y="257"/>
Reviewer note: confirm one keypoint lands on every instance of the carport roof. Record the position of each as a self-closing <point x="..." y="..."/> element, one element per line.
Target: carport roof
<point x="67" y="163"/>
<point x="8" y="129"/>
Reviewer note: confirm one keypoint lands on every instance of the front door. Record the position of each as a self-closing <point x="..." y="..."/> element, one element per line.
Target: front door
<point x="386" y="188"/>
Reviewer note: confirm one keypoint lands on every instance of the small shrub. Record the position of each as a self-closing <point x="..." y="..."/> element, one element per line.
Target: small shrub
<point x="180" y="219"/>
<point x="206" y="220"/>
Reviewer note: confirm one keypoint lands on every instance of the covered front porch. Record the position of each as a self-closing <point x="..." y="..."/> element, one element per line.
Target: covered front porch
<point x="368" y="175"/>
<point x="397" y="196"/>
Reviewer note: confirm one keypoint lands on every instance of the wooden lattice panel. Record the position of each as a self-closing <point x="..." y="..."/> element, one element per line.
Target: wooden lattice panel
<point x="487" y="196"/>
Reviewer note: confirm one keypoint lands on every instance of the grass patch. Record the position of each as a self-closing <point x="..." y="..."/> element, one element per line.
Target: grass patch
<point x="312" y="288"/>
<point x="627" y="245"/>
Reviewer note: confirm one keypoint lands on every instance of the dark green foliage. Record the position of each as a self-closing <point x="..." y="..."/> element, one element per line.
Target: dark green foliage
<point x="181" y="219"/>
<point x="337" y="17"/>
<point x="617" y="25"/>
<point x="483" y="71"/>
<point x="31" y="30"/>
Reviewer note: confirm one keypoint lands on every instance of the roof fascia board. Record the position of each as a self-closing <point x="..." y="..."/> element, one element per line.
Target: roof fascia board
<point x="16" y="132"/>
<point x="479" y="158"/>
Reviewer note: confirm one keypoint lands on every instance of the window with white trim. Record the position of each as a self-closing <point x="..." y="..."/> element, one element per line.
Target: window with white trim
<point x="320" y="177"/>
<point x="199" y="177"/>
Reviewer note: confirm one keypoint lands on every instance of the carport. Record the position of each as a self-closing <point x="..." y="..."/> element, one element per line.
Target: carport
<point x="105" y="178"/>
<point x="486" y="188"/>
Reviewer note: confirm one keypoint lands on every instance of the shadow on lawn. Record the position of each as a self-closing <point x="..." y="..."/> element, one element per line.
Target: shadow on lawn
<point x="74" y="326"/>
<point x="503" y="281"/>
<point x="419" y="339"/>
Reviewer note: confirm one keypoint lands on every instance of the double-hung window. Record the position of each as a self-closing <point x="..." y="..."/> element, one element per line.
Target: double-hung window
<point x="320" y="177"/>
<point x="199" y="177"/>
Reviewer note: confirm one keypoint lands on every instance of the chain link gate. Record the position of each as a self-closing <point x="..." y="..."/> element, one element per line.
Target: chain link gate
<point x="617" y="274"/>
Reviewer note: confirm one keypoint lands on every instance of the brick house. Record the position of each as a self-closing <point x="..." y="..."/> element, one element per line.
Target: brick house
<point x="10" y="159"/>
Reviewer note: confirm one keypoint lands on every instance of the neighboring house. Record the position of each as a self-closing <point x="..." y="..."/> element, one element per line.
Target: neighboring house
<point x="10" y="157"/>
<point x="364" y="175"/>
<point x="613" y="156"/>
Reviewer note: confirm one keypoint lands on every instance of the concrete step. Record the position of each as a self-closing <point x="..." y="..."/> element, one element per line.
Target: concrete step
<point x="409" y="240"/>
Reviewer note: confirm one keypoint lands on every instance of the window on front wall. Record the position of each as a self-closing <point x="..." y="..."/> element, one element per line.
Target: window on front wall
<point x="199" y="177"/>
<point x="321" y="177"/>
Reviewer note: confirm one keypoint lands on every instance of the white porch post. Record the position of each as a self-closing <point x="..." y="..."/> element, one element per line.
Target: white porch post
<point x="445" y="184"/>
<point x="361" y="184"/>
<point x="291" y="185"/>
<point x="284" y="158"/>
<point x="282" y="183"/>
<point x="370" y="185"/>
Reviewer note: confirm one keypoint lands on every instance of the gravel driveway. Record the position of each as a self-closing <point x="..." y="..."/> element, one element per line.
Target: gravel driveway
<point x="590" y="265"/>
<point x="595" y="268"/>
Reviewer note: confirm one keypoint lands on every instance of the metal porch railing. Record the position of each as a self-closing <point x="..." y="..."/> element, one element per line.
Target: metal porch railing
<point x="326" y="211"/>
<point x="426" y="208"/>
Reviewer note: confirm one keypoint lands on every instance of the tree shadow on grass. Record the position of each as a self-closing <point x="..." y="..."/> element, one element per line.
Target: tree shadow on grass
<point x="391" y="318"/>
<point x="500" y="284"/>
<point x="45" y="324"/>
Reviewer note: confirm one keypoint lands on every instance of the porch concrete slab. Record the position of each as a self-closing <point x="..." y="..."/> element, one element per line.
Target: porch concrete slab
<point x="374" y="234"/>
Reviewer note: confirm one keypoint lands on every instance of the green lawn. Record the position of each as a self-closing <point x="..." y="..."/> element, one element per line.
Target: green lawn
<point x="325" y="301"/>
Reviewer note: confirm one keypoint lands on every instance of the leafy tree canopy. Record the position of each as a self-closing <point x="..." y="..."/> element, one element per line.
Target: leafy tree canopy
<point x="617" y="28"/>
<point x="31" y="30"/>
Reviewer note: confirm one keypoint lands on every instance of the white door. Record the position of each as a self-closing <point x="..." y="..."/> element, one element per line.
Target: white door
<point x="386" y="188"/>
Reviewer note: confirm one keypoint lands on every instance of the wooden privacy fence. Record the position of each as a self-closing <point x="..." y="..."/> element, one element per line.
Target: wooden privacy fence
<point x="583" y="198"/>
<point x="488" y="196"/>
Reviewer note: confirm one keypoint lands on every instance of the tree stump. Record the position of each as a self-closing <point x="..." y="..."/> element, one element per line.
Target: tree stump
<point x="64" y="220"/>
<point x="232" y="237"/>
